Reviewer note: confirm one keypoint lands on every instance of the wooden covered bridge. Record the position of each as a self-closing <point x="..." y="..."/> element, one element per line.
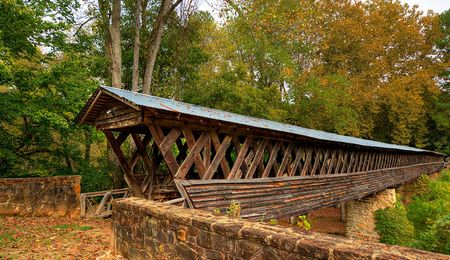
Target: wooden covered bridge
<point x="205" y="158"/>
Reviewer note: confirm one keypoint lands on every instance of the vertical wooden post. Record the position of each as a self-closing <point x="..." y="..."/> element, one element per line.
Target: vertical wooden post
<point x="83" y="205"/>
<point x="343" y="217"/>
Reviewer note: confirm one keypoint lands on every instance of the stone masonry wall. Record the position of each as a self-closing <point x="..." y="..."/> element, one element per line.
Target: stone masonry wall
<point x="145" y="229"/>
<point x="360" y="215"/>
<point x="43" y="196"/>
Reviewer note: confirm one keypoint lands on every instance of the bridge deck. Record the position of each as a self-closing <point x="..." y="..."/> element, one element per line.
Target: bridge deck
<point x="212" y="156"/>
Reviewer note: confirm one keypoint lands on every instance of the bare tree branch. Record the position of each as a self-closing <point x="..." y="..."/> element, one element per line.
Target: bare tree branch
<point x="84" y="23"/>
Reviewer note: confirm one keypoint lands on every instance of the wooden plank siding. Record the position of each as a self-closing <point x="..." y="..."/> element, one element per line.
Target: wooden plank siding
<point x="292" y="196"/>
<point x="117" y="115"/>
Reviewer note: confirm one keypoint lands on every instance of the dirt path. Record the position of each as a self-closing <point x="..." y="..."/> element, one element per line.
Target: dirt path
<point x="326" y="220"/>
<point x="53" y="238"/>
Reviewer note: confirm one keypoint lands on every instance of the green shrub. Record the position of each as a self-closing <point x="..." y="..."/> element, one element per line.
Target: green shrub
<point x="436" y="238"/>
<point x="425" y="222"/>
<point x="429" y="212"/>
<point x="393" y="226"/>
<point x="303" y="222"/>
<point x="95" y="178"/>
<point x="420" y="186"/>
<point x="445" y="177"/>
<point x="426" y="208"/>
<point x="234" y="210"/>
<point x="441" y="231"/>
<point x="273" y="221"/>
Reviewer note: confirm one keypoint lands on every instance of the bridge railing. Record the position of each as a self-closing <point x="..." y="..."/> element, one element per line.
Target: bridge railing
<point x="99" y="203"/>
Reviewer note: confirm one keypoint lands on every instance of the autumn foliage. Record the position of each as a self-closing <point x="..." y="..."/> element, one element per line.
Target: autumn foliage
<point x="372" y="69"/>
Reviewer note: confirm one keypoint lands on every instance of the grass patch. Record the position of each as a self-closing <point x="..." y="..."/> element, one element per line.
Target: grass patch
<point x="85" y="228"/>
<point x="72" y="227"/>
<point x="6" y="237"/>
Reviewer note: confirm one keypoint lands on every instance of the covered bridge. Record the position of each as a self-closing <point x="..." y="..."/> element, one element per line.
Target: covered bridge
<point x="205" y="158"/>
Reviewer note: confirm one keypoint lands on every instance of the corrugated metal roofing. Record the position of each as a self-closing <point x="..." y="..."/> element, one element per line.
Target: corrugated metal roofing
<point x="215" y="114"/>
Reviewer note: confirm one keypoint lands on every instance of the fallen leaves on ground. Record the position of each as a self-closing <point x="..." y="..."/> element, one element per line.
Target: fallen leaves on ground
<point x="53" y="238"/>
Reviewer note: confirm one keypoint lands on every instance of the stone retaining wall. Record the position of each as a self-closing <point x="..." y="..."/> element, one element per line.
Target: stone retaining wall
<point x="43" y="196"/>
<point x="145" y="229"/>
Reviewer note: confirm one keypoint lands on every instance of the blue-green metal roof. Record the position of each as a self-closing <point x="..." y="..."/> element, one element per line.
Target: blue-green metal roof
<point x="219" y="115"/>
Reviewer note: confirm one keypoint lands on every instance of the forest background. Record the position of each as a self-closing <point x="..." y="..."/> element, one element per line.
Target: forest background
<point x="374" y="69"/>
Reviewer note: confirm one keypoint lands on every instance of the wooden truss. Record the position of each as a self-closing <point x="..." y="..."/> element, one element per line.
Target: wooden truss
<point x="166" y="153"/>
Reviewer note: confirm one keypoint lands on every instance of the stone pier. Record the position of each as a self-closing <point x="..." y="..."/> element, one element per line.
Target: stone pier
<point x="360" y="215"/>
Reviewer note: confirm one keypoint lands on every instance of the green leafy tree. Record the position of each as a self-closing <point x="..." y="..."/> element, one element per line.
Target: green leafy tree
<point x="325" y="103"/>
<point x="45" y="82"/>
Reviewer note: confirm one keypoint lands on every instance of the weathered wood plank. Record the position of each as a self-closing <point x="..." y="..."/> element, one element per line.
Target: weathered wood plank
<point x="340" y="159"/>
<point x="218" y="159"/>
<point x="108" y="126"/>
<point x="137" y="155"/>
<point x="257" y="159"/>
<point x="129" y="179"/>
<point x="332" y="162"/>
<point x="169" y="140"/>
<point x="83" y="205"/>
<point x="187" y="163"/>
<point x="307" y="161"/>
<point x="217" y="146"/>
<point x="272" y="158"/>
<point x="317" y="155"/>
<point x="199" y="163"/>
<point x="170" y="160"/>
<point x="102" y="204"/>
<point x="345" y="162"/>
<point x="324" y="162"/>
<point x="237" y="146"/>
<point x="242" y="152"/>
<point x="351" y="162"/>
<point x="285" y="160"/>
<point x="207" y="154"/>
<point x="118" y="119"/>
<point x="149" y="164"/>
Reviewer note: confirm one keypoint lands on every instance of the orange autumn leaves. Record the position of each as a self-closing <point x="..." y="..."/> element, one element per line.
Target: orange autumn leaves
<point x="379" y="56"/>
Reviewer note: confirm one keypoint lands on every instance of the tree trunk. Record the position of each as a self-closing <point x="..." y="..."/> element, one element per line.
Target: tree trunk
<point x="143" y="14"/>
<point x="104" y="10"/>
<point x="66" y="154"/>
<point x="155" y="41"/>
<point x="137" y="45"/>
<point x="87" y="145"/>
<point x="116" y="50"/>
<point x="113" y="53"/>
